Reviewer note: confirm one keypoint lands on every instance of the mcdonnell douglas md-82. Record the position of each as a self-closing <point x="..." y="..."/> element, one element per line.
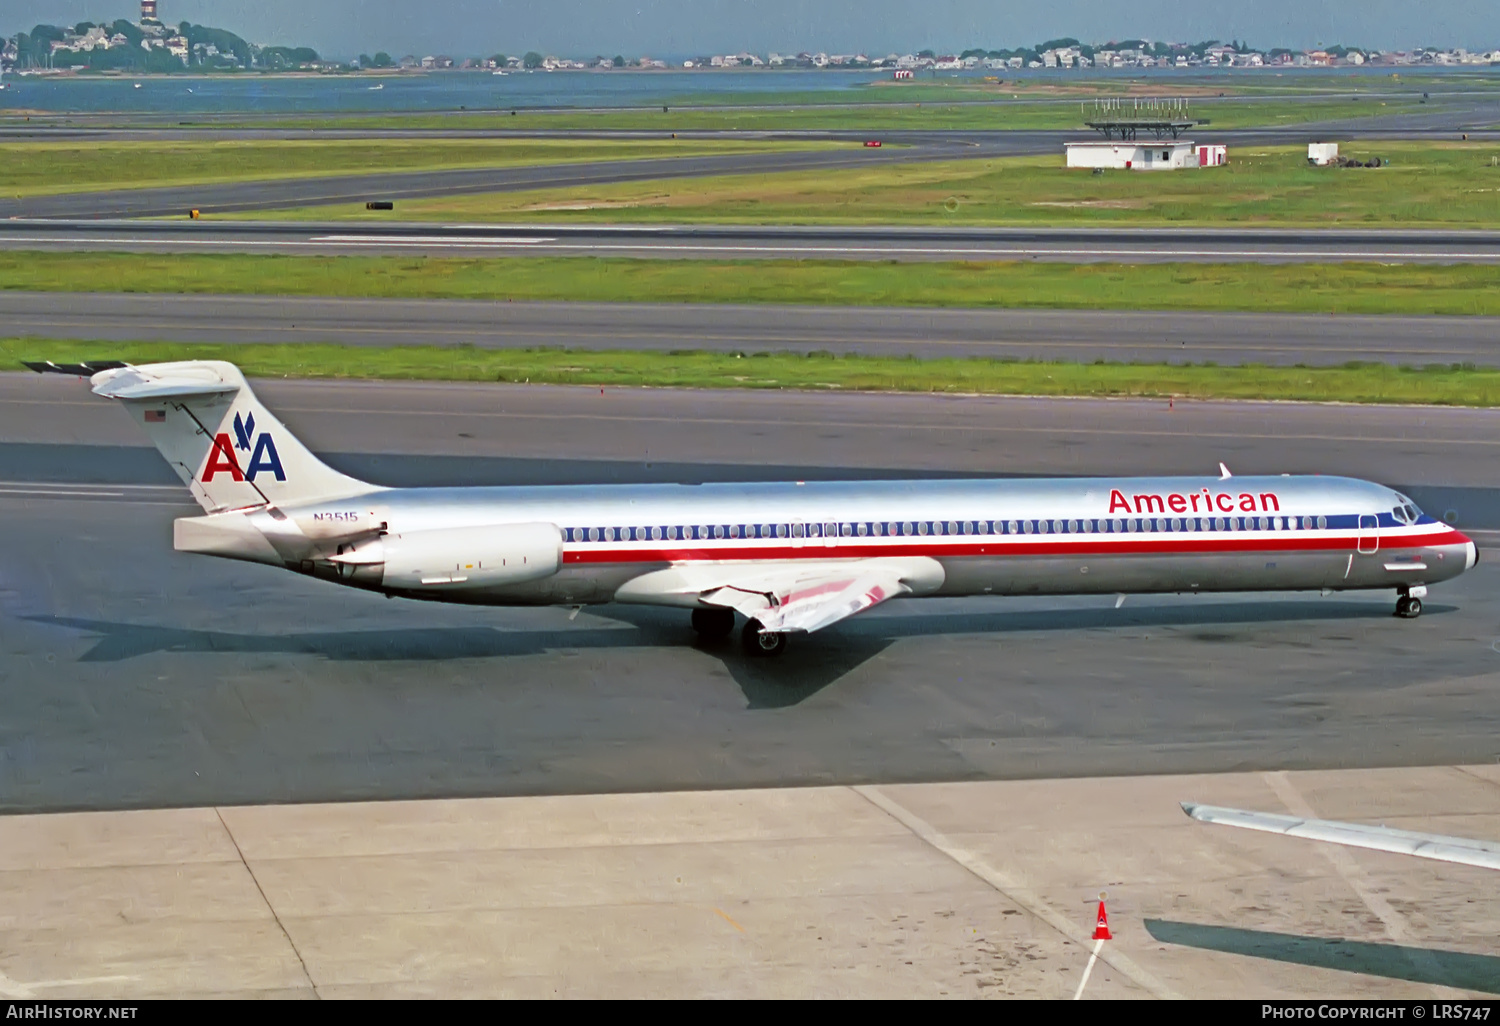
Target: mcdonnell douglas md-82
<point x="787" y="557"/>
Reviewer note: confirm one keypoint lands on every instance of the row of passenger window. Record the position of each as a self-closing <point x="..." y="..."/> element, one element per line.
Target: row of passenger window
<point x="920" y="528"/>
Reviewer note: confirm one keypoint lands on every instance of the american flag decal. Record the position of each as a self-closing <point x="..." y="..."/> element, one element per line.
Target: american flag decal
<point x="156" y="416"/>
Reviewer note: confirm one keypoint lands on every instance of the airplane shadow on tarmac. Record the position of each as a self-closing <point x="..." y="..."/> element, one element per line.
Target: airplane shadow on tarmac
<point x="1393" y="961"/>
<point x="813" y="663"/>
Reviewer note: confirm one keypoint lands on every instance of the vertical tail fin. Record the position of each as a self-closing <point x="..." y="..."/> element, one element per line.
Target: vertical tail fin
<point x="227" y="448"/>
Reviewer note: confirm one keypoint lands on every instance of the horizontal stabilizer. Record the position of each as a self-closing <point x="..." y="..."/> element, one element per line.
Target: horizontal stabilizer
<point x="86" y="369"/>
<point x="165" y="380"/>
<point x="1464" y="850"/>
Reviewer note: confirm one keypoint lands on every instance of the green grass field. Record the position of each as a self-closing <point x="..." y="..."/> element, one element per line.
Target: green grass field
<point x="33" y="169"/>
<point x="874" y="110"/>
<point x="1357" y="383"/>
<point x="1452" y="184"/>
<point x="1300" y="288"/>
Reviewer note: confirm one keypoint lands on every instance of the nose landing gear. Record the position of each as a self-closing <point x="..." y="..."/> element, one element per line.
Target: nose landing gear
<point x="1409" y="602"/>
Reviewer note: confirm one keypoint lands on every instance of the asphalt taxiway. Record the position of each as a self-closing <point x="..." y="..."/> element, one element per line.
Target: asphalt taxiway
<point x="741" y="242"/>
<point x="134" y="676"/>
<point x="1074" y="335"/>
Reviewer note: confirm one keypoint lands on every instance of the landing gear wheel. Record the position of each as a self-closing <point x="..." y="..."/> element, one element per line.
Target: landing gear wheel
<point x="1408" y="608"/>
<point x="714" y="623"/>
<point x="761" y="646"/>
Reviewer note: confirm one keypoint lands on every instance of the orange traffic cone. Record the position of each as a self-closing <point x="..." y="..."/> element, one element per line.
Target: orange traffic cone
<point x="1101" y="932"/>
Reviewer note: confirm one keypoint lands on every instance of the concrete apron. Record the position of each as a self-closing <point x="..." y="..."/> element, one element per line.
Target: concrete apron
<point x="960" y="890"/>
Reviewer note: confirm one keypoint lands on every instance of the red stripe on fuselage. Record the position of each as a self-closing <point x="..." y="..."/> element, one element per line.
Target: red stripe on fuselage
<point x="1194" y="543"/>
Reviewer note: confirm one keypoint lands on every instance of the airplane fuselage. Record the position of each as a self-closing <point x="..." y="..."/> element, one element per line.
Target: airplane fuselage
<point x="1002" y="537"/>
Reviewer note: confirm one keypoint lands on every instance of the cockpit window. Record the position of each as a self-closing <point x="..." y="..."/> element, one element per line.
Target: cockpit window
<point x="1406" y="511"/>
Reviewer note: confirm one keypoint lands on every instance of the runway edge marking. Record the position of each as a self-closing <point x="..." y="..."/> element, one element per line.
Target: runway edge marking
<point x="1012" y="889"/>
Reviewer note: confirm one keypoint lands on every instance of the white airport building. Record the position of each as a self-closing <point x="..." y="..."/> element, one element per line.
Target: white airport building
<point x="1322" y="154"/>
<point x="1136" y="155"/>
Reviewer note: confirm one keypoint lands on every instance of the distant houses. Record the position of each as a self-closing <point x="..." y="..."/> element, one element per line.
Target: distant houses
<point x="148" y="46"/>
<point x="1072" y="55"/>
<point x="73" y="47"/>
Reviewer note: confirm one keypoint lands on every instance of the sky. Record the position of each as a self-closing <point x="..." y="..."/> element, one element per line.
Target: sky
<point x="667" y="28"/>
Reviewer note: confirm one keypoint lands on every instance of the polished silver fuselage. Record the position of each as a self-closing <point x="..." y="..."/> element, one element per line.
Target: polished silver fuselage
<point x="1003" y="537"/>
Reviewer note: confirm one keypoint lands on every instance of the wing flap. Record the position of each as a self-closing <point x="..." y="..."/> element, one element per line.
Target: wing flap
<point x="749" y="602"/>
<point x="809" y="599"/>
<point x="788" y="596"/>
<point x="1463" y="850"/>
<point x="822" y="603"/>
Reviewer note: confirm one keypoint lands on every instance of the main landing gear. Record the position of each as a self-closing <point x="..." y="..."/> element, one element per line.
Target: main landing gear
<point x="714" y="624"/>
<point x="761" y="646"/>
<point x="1409" y="602"/>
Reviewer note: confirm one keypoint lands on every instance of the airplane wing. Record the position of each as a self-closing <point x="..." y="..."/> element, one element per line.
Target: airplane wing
<point x="1469" y="852"/>
<point x="791" y="596"/>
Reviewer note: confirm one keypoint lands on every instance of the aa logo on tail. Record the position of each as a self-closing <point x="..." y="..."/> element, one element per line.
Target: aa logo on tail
<point x="262" y="449"/>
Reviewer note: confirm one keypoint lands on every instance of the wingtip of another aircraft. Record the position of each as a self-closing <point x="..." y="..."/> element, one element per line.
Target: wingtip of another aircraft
<point x="83" y="369"/>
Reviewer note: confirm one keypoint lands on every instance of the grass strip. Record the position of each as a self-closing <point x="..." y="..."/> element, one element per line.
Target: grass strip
<point x="52" y="168"/>
<point x="873" y="110"/>
<point x="1459" y="289"/>
<point x="1441" y="385"/>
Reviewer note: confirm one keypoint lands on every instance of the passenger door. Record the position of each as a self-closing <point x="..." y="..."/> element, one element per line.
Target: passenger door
<point x="1368" y="541"/>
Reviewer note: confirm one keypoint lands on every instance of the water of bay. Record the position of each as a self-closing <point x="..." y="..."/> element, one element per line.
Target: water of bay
<point x="437" y="91"/>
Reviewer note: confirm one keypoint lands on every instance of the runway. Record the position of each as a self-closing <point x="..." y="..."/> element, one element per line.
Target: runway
<point x="780" y="242"/>
<point x="1072" y="335"/>
<point x="137" y="677"/>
